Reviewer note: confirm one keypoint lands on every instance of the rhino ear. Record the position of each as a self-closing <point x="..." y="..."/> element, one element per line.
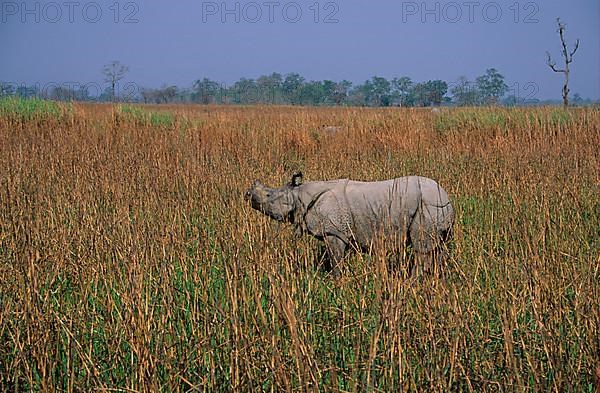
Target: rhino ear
<point x="296" y="179"/>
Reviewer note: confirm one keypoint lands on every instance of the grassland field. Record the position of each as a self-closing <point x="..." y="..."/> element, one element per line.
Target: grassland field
<point x="129" y="260"/>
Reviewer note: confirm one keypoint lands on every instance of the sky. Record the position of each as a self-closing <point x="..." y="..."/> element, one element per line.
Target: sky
<point x="179" y="41"/>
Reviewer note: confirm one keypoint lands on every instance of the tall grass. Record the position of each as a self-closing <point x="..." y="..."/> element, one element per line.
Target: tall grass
<point x="140" y="116"/>
<point x="129" y="261"/>
<point x="28" y="109"/>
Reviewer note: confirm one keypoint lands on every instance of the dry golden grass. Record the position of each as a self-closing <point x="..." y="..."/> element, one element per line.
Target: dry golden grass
<point x="129" y="260"/>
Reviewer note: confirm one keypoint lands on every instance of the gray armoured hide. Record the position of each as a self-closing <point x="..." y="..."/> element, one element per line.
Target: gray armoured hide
<point x="407" y="210"/>
<point x="414" y="207"/>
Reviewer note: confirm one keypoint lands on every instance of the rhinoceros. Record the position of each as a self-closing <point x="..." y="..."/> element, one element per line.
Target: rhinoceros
<point x="348" y="214"/>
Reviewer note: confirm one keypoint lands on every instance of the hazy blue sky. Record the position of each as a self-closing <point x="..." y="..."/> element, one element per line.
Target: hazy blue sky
<point x="177" y="42"/>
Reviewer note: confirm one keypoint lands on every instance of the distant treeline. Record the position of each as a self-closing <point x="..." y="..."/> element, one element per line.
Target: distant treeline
<point x="293" y="89"/>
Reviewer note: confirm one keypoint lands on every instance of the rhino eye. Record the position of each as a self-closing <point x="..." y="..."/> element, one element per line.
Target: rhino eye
<point x="268" y="194"/>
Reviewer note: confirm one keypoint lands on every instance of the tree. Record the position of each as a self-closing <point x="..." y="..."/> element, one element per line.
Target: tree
<point x="244" y="91"/>
<point x="184" y="95"/>
<point x="418" y="96"/>
<point x="328" y="88"/>
<point x="577" y="99"/>
<point x="380" y="91"/>
<point x="147" y="95"/>
<point x="312" y="93"/>
<point x="206" y="91"/>
<point x="341" y="91"/>
<point x="436" y="90"/>
<point x="168" y="93"/>
<point x="163" y="95"/>
<point x="465" y="92"/>
<point x="358" y="96"/>
<point x="376" y="91"/>
<point x="268" y="86"/>
<point x="292" y="87"/>
<point x="27" y="91"/>
<point x="401" y="89"/>
<point x="6" y="89"/>
<point x="491" y="86"/>
<point x="113" y="73"/>
<point x="567" y="56"/>
<point x="511" y="100"/>
<point x="61" y="93"/>
<point x="429" y="93"/>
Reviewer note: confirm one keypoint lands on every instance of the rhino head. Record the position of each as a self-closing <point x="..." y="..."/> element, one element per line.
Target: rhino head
<point x="277" y="203"/>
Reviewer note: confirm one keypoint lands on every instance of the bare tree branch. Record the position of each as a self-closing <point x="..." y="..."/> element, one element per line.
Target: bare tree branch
<point x="568" y="57"/>
<point x="551" y="63"/>
<point x="561" y="31"/>
<point x="574" y="49"/>
<point x="113" y="73"/>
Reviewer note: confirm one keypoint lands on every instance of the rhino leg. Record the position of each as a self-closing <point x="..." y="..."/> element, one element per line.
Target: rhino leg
<point x="427" y="240"/>
<point x="433" y="262"/>
<point x="336" y="248"/>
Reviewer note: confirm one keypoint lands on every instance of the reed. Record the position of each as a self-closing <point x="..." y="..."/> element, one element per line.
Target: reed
<point x="129" y="260"/>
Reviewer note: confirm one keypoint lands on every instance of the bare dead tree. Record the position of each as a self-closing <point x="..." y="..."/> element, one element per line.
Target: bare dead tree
<point x="568" y="56"/>
<point x="113" y="73"/>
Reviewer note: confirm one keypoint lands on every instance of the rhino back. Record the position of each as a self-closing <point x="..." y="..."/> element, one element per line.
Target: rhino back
<point x="384" y="207"/>
<point x="359" y="210"/>
<point x="432" y="193"/>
